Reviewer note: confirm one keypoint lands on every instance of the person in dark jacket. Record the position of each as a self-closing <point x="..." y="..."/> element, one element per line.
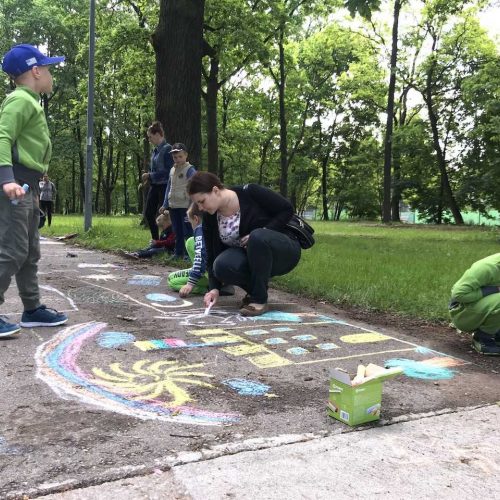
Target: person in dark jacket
<point x="245" y="236"/>
<point x="48" y="193"/>
<point x="158" y="175"/>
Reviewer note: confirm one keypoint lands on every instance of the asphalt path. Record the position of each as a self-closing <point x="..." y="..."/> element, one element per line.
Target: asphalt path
<point x="140" y="379"/>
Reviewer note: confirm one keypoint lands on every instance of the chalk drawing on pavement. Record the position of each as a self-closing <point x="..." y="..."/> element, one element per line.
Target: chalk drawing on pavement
<point x="84" y="265"/>
<point x="362" y="338"/>
<point x="256" y="332"/>
<point x="150" y="380"/>
<point x="61" y="294"/>
<point x="112" y="340"/>
<point x="101" y="277"/>
<point x="304" y="338"/>
<point x="275" y="341"/>
<point x="161" y="297"/>
<point x="327" y="346"/>
<point x="247" y="387"/>
<point x="427" y="369"/>
<point x="59" y="365"/>
<point x="144" y="280"/>
<point x="297" y="351"/>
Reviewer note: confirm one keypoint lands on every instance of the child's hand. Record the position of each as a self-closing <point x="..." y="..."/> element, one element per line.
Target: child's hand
<point x="13" y="190"/>
<point x="186" y="290"/>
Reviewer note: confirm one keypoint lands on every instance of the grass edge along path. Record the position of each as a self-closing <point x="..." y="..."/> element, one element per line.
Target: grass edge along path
<point x="399" y="269"/>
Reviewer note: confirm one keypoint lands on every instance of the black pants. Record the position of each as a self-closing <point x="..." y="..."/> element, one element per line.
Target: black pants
<point x="154" y="201"/>
<point x="269" y="253"/>
<point x="46" y="206"/>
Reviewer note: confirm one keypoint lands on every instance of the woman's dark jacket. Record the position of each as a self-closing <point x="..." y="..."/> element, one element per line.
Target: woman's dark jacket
<point x="259" y="207"/>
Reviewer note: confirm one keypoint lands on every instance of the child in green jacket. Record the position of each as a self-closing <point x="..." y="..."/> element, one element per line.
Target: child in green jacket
<point x="25" y="151"/>
<point x="475" y="304"/>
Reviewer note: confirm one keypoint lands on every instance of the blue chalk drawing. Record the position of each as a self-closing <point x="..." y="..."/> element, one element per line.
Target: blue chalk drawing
<point x="160" y="297"/>
<point x="297" y="351"/>
<point x="327" y="319"/>
<point x="419" y="369"/>
<point x="282" y="329"/>
<point x="304" y="337"/>
<point x="278" y="316"/>
<point x="423" y="350"/>
<point x="144" y="280"/>
<point x="256" y="332"/>
<point x="326" y="346"/>
<point x="247" y="387"/>
<point x="275" y="340"/>
<point x="6" y="449"/>
<point x="111" y="340"/>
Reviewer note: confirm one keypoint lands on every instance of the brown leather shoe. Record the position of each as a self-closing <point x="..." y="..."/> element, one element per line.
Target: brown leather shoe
<point x="253" y="309"/>
<point x="245" y="301"/>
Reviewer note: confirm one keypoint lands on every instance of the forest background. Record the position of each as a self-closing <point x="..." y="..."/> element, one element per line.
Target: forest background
<point x="297" y="95"/>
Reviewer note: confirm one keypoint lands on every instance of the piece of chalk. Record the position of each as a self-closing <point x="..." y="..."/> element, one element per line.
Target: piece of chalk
<point x="25" y="189"/>
<point x="207" y="309"/>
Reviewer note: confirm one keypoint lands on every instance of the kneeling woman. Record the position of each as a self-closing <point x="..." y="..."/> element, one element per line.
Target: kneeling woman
<point x="245" y="236"/>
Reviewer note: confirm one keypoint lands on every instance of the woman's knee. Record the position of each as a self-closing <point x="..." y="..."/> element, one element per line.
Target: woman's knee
<point x="229" y="265"/>
<point x="259" y="237"/>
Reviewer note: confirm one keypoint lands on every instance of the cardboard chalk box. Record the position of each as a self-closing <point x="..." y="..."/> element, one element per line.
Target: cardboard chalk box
<point x="359" y="403"/>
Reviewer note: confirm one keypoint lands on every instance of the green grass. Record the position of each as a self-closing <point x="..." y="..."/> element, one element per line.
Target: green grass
<point x="408" y="270"/>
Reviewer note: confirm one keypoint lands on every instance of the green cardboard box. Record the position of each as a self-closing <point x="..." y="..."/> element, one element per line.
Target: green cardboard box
<point x="358" y="404"/>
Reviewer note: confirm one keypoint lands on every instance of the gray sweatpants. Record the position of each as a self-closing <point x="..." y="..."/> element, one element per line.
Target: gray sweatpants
<point x="20" y="247"/>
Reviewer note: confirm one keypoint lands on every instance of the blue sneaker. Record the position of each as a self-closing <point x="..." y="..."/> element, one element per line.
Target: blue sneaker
<point x="42" y="316"/>
<point x="7" y="329"/>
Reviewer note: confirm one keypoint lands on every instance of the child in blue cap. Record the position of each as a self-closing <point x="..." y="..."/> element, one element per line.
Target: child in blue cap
<point x="25" y="151"/>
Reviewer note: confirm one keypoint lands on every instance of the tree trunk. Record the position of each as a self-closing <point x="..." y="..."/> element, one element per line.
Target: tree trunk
<point x="446" y="191"/>
<point x="99" y="143"/>
<point x="81" y="164"/>
<point x="73" y="185"/>
<point x="177" y="42"/>
<point x="107" y="185"/>
<point x="126" y="207"/>
<point x="225" y="108"/>
<point x="283" y="125"/>
<point x="396" y="188"/>
<point x="211" y="103"/>
<point x="386" y="207"/>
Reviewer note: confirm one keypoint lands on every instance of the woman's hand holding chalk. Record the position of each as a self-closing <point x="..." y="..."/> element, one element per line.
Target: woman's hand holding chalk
<point x="207" y="309"/>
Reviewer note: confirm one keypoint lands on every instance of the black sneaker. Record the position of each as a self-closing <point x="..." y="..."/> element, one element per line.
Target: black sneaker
<point x="485" y="344"/>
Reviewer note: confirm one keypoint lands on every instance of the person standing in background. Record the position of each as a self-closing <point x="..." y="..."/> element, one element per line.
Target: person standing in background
<point x="176" y="198"/>
<point x="158" y="175"/>
<point x="47" y="197"/>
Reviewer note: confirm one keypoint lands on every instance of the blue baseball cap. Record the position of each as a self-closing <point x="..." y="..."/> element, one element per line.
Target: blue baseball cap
<point x="22" y="58"/>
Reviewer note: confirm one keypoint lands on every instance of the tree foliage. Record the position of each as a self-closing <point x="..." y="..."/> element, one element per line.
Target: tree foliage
<point x="289" y="93"/>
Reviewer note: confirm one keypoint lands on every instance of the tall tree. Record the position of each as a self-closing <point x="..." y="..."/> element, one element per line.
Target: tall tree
<point x="177" y="42"/>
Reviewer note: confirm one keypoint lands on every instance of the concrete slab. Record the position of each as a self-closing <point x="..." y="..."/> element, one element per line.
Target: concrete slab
<point x="448" y="456"/>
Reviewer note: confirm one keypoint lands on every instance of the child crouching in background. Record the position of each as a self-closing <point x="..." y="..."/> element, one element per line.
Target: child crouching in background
<point x="166" y="243"/>
<point x="192" y="280"/>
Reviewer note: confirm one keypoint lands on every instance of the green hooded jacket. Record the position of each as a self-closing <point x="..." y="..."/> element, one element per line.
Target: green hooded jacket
<point x="25" y="147"/>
